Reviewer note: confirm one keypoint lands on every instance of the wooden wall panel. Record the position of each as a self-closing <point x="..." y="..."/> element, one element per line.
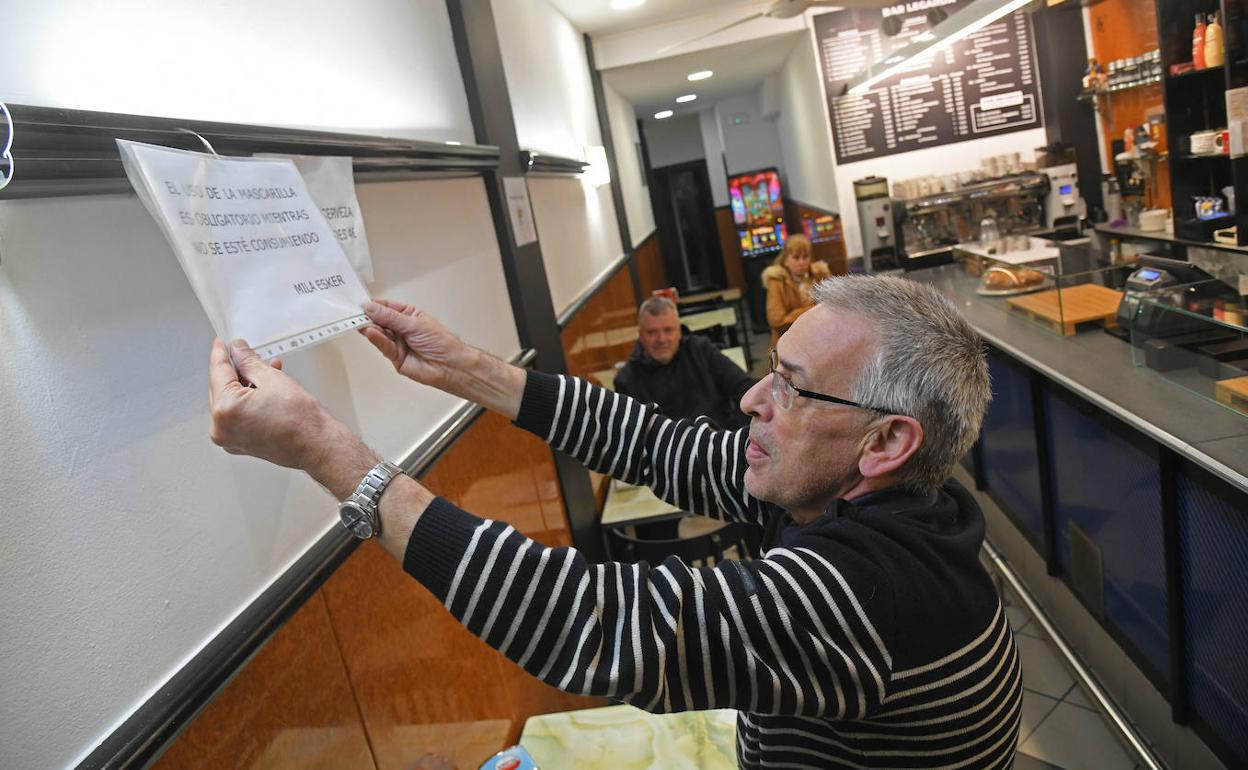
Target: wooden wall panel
<point x="604" y="330"/>
<point x="373" y="659"/>
<point x="412" y="665"/>
<point x="603" y="333"/>
<point x="292" y="706"/>
<point x="651" y="273"/>
<point x="1119" y="29"/>
<point x="733" y="270"/>
<point x="425" y="684"/>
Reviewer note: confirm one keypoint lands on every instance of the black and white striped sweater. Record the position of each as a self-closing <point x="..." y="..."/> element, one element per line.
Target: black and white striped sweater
<point x="871" y="637"/>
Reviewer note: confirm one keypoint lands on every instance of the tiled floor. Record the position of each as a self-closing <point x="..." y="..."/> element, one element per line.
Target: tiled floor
<point x="1060" y="727"/>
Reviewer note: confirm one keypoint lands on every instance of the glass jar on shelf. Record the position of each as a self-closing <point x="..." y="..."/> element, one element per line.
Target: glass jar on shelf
<point x="989" y="234"/>
<point x="1130" y="71"/>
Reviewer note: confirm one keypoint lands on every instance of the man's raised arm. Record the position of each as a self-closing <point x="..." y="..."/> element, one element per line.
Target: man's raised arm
<point x="664" y="637"/>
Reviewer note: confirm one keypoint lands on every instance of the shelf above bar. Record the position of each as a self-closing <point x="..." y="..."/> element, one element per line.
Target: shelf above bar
<point x="1162" y="236"/>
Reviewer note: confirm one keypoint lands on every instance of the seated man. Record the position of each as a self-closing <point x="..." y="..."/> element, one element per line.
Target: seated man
<point x="686" y="376"/>
<point x="869" y="635"/>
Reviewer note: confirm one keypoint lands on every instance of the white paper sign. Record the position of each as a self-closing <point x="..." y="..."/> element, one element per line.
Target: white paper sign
<point x="519" y="209"/>
<point x="331" y="180"/>
<point x="259" y="254"/>
<point x="1237" y="121"/>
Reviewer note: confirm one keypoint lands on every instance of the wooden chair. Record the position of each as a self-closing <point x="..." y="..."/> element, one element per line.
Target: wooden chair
<point x="694" y="551"/>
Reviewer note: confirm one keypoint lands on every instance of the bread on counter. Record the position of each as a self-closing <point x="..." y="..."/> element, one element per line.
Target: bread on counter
<point x="1000" y="278"/>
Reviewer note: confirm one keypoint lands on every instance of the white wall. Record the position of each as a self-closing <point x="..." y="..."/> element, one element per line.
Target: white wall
<point x="713" y="141"/>
<point x="696" y="31"/>
<point x="380" y="66"/>
<point x="579" y="236"/>
<point x="751" y="145"/>
<point x="137" y="540"/>
<point x="552" y="95"/>
<point x="675" y="140"/>
<point x="629" y="174"/>
<point x="552" y="99"/>
<point x="808" y="159"/>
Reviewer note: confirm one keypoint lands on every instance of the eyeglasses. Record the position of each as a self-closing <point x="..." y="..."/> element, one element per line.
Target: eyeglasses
<point x="783" y="391"/>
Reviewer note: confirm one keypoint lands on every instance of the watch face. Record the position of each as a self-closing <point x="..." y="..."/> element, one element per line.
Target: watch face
<point x="355" y="520"/>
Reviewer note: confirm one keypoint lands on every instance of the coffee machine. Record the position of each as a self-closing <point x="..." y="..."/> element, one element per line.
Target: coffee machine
<point x="877" y="224"/>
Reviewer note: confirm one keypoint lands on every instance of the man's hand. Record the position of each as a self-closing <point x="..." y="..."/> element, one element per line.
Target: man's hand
<point x="260" y="411"/>
<point x="421" y="348"/>
<point x="415" y="343"/>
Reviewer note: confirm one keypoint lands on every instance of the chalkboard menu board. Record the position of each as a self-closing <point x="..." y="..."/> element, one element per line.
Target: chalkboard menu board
<point x="984" y="84"/>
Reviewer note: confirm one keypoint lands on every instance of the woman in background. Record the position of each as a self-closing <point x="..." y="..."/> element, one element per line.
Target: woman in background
<point x="788" y="281"/>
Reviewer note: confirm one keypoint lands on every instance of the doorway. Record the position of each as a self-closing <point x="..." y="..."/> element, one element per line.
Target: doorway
<point x="684" y="214"/>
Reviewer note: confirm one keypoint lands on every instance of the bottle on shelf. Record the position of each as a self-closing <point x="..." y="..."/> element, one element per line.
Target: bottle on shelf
<point x="1198" y="42"/>
<point x="1091" y="76"/>
<point x="1215" y="44"/>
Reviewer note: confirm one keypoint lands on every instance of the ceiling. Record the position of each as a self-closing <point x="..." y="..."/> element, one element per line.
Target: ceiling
<point x="596" y="17"/>
<point x="738" y="68"/>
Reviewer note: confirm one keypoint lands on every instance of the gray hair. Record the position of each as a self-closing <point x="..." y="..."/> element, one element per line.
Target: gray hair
<point x="929" y="364"/>
<point x="655" y="306"/>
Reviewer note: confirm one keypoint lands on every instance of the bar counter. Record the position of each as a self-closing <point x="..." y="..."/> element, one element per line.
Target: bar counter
<point x="1098" y="367"/>
<point x="1129" y="494"/>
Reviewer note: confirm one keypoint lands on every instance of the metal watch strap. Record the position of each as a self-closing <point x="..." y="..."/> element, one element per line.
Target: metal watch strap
<point x="368" y="493"/>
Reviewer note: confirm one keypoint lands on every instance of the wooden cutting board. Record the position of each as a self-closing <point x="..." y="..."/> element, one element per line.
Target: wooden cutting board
<point x="1063" y="309"/>
<point x="1233" y="393"/>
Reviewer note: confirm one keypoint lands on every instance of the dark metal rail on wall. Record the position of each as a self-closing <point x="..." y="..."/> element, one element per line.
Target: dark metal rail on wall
<point x="49" y="151"/>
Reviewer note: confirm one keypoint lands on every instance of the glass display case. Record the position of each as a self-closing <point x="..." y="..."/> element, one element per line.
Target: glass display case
<point x="1086" y="298"/>
<point x="1194" y="335"/>
<point x="1061" y="288"/>
<point x="1011" y="264"/>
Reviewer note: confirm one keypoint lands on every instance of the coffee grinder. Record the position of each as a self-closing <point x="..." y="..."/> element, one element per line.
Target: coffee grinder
<point x="877" y="224"/>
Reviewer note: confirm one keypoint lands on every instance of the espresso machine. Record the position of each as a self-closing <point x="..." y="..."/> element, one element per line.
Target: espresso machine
<point x="877" y="224"/>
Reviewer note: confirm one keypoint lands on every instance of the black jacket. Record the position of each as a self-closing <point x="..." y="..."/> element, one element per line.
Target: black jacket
<point x="699" y="380"/>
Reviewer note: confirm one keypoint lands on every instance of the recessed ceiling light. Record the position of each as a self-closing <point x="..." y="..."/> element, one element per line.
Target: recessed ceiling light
<point x="662" y="114"/>
<point x="892" y="60"/>
<point x="686" y="98"/>
<point x="926" y="36"/>
<point x="453" y="143"/>
<point x="702" y="75"/>
<point x="624" y="5"/>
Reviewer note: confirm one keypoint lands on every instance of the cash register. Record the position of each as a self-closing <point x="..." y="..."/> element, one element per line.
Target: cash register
<point x="1153" y="276"/>
<point x="1170" y="339"/>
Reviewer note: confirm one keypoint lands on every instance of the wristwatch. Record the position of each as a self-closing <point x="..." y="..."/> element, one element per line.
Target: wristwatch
<point x="359" y="511"/>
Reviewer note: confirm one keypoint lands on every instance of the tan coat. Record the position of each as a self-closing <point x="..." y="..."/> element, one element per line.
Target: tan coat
<point x="786" y="298"/>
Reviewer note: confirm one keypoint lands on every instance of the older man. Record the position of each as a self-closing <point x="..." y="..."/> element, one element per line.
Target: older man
<point x="685" y="376"/>
<point x="868" y="636"/>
